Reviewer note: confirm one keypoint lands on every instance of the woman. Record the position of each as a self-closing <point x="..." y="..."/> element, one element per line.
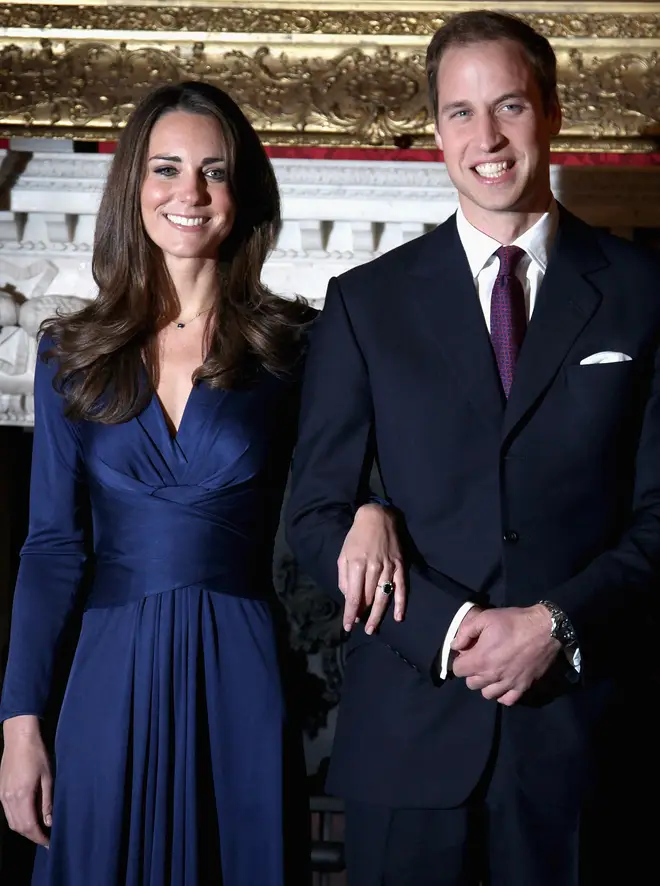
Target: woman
<point x="164" y="421"/>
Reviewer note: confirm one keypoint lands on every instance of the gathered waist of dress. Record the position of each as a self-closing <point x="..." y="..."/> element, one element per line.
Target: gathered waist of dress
<point x="149" y="545"/>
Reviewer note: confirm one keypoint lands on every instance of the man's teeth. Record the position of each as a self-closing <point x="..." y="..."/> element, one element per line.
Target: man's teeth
<point x="492" y="170"/>
<point x="185" y="220"/>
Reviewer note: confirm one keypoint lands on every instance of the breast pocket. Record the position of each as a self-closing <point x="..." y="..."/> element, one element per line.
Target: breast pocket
<point x="605" y="376"/>
<point x="605" y="397"/>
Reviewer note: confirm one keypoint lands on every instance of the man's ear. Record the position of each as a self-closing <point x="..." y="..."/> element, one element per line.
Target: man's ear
<point x="438" y="138"/>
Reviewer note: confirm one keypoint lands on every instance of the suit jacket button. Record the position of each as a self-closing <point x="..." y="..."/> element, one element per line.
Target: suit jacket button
<point x="511" y="537"/>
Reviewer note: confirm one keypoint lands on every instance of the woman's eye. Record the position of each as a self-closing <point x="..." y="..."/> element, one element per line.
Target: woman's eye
<point x="165" y="171"/>
<point x="217" y="175"/>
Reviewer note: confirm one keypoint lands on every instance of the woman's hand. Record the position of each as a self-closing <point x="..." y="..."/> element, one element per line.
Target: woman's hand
<point x="26" y="784"/>
<point x="369" y="558"/>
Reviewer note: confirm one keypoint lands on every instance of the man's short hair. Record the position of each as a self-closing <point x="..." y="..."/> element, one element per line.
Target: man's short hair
<point x="485" y="26"/>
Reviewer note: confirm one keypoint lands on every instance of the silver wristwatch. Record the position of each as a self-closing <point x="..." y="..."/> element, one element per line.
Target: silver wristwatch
<point x="562" y="629"/>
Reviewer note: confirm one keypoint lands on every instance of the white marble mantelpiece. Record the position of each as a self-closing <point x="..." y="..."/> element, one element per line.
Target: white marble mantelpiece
<point x="337" y="214"/>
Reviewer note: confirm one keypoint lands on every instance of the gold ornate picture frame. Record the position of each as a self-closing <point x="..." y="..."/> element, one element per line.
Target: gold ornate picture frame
<point x="311" y="74"/>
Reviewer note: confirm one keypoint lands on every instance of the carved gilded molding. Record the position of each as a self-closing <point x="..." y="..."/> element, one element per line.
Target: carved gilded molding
<point x="219" y="20"/>
<point x="319" y="76"/>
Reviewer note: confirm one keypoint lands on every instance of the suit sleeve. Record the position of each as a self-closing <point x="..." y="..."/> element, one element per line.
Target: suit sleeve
<point x="615" y="597"/>
<point x="53" y="556"/>
<point x="331" y="466"/>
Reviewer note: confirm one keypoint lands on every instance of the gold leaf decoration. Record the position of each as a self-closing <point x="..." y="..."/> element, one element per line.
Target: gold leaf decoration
<point x="314" y="77"/>
<point x="220" y="19"/>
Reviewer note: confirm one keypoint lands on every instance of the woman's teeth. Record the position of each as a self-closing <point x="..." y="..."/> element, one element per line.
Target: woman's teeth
<point x="185" y="220"/>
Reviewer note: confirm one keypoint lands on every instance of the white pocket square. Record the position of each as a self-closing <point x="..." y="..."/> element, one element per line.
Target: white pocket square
<point x="605" y="357"/>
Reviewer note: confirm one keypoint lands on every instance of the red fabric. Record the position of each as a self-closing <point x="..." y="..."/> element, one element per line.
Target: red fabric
<point x="598" y="159"/>
<point x="431" y="155"/>
<point x="427" y="155"/>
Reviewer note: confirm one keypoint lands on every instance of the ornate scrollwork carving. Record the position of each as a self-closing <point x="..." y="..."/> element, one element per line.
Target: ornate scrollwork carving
<point x="370" y="97"/>
<point x="615" y="96"/>
<point x="296" y="88"/>
<point x="373" y="97"/>
<point x="228" y="19"/>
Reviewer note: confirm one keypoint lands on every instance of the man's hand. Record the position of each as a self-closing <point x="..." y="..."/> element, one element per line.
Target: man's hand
<point x="369" y="557"/>
<point x="503" y="651"/>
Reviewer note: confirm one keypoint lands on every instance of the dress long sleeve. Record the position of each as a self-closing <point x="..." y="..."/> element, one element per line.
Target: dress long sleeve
<point x="53" y="556"/>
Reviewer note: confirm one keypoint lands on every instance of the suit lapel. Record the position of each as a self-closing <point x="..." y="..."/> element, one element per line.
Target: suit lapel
<point x="450" y="311"/>
<point x="565" y="303"/>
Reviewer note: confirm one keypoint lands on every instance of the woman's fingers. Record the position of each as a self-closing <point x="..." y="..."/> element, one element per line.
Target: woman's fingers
<point x="353" y="592"/>
<point x="369" y="568"/>
<point x="47" y="800"/>
<point x="384" y="592"/>
<point x="400" y="595"/>
<point x="26" y="786"/>
<point x="21" y="811"/>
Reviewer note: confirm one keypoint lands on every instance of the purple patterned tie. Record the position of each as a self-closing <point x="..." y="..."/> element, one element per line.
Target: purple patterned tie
<point x="508" y="318"/>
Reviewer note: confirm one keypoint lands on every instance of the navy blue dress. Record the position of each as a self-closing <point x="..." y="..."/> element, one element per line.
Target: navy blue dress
<point x="169" y="742"/>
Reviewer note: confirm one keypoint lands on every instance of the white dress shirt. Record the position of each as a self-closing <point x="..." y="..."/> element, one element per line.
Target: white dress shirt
<point x="484" y="265"/>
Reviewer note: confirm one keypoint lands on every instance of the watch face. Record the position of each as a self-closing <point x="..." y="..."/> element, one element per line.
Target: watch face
<point x="565" y="633"/>
<point x="561" y="629"/>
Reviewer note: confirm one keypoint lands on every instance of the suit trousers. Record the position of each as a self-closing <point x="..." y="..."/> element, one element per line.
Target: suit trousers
<point x="499" y="836"/>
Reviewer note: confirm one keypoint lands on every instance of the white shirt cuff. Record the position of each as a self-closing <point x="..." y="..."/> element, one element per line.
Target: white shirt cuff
<point x="445" y="652"/>
<point x="574" y="657"/>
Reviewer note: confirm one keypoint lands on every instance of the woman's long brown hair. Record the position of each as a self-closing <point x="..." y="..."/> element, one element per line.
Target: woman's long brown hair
<point x="101" y="351"/>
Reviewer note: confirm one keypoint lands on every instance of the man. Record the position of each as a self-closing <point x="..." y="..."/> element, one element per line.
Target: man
<point x="510" y="398"/>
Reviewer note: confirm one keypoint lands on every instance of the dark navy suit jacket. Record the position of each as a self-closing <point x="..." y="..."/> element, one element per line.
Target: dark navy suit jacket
<point x="554" y="494"/>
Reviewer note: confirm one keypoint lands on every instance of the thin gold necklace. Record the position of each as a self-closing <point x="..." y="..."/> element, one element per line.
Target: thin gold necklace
<point x="180" y="325"/>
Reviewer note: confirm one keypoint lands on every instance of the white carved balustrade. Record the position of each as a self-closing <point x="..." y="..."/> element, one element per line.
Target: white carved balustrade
<point x="337" y="214"/>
